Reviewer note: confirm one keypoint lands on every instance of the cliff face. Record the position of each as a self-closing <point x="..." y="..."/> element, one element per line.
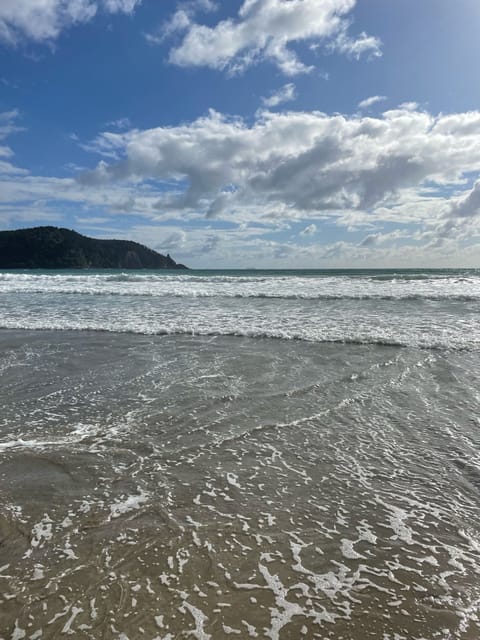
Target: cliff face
<point x="56" y="248"/>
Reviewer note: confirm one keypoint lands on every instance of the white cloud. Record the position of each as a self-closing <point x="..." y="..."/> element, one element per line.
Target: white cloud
<point x="369" y="102"/>
<point x="468" y="205"/>
<point x="375" y="239"/>
<point x="30" y="213"/>
<point x="44" y="20"/>
<point x="234" y="247"/>
<point x="7" y="123"/>
<point x="309" y="230"/>
<point x="287" y="93"/>
<point x="296" y="163"/>
<point x="121" y="6"/>
<point x="405" y="169"/>
<point x="356" y="47"/>
<point x="181" y="20"/>
<point x="120" y="123"/>
<point x="91" y="221"/>
<point x="263" y="30"/>
<point x="409" y="106"/>
<point x="7" y="128"/>
<point x="7" y="116"/>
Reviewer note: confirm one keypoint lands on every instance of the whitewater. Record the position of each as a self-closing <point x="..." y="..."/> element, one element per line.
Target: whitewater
<point x="431" y="309"/>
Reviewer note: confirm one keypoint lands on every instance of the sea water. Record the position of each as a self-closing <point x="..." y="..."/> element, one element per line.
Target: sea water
<point x="246" y="454"/>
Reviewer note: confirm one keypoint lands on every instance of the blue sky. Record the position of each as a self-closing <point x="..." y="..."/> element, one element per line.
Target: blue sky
<point x="265" y="133"/>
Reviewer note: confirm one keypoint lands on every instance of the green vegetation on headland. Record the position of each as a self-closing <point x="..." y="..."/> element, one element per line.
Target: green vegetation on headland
<point x="56" y="248"/>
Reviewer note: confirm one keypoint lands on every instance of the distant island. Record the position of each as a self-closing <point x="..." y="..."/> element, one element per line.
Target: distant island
<point x="57" y="248"/>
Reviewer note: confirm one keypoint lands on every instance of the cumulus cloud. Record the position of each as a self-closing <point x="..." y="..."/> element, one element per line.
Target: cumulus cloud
<point x="469" y="205"/>
<point x="369" y="102"/>
<point x="294" y="164"/>
<point x="287" y="93"/>
<point x="409" y="106"/>
<point x="405" y="170"/>
<point x="263" y="30"/>
<point x="181" y="20"/>
<point x="43" y="20"/>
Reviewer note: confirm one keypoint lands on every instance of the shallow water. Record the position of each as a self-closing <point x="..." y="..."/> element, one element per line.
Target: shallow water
<point x="161" y="487"/>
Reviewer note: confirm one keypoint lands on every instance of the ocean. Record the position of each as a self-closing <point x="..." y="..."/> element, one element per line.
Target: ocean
<point x="240" y="454"/>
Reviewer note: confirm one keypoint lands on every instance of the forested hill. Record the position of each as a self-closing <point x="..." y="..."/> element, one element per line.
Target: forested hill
<point x="56" y="248"/>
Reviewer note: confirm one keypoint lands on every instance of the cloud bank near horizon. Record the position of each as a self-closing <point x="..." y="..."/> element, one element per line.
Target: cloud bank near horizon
<point x="405" y="168"/>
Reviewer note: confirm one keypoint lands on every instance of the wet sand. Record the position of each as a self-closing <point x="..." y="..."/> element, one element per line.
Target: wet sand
<point x="171" y="487"/>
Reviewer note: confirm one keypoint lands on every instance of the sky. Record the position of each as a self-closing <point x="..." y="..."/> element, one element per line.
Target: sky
<point x="250" y="133"/>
